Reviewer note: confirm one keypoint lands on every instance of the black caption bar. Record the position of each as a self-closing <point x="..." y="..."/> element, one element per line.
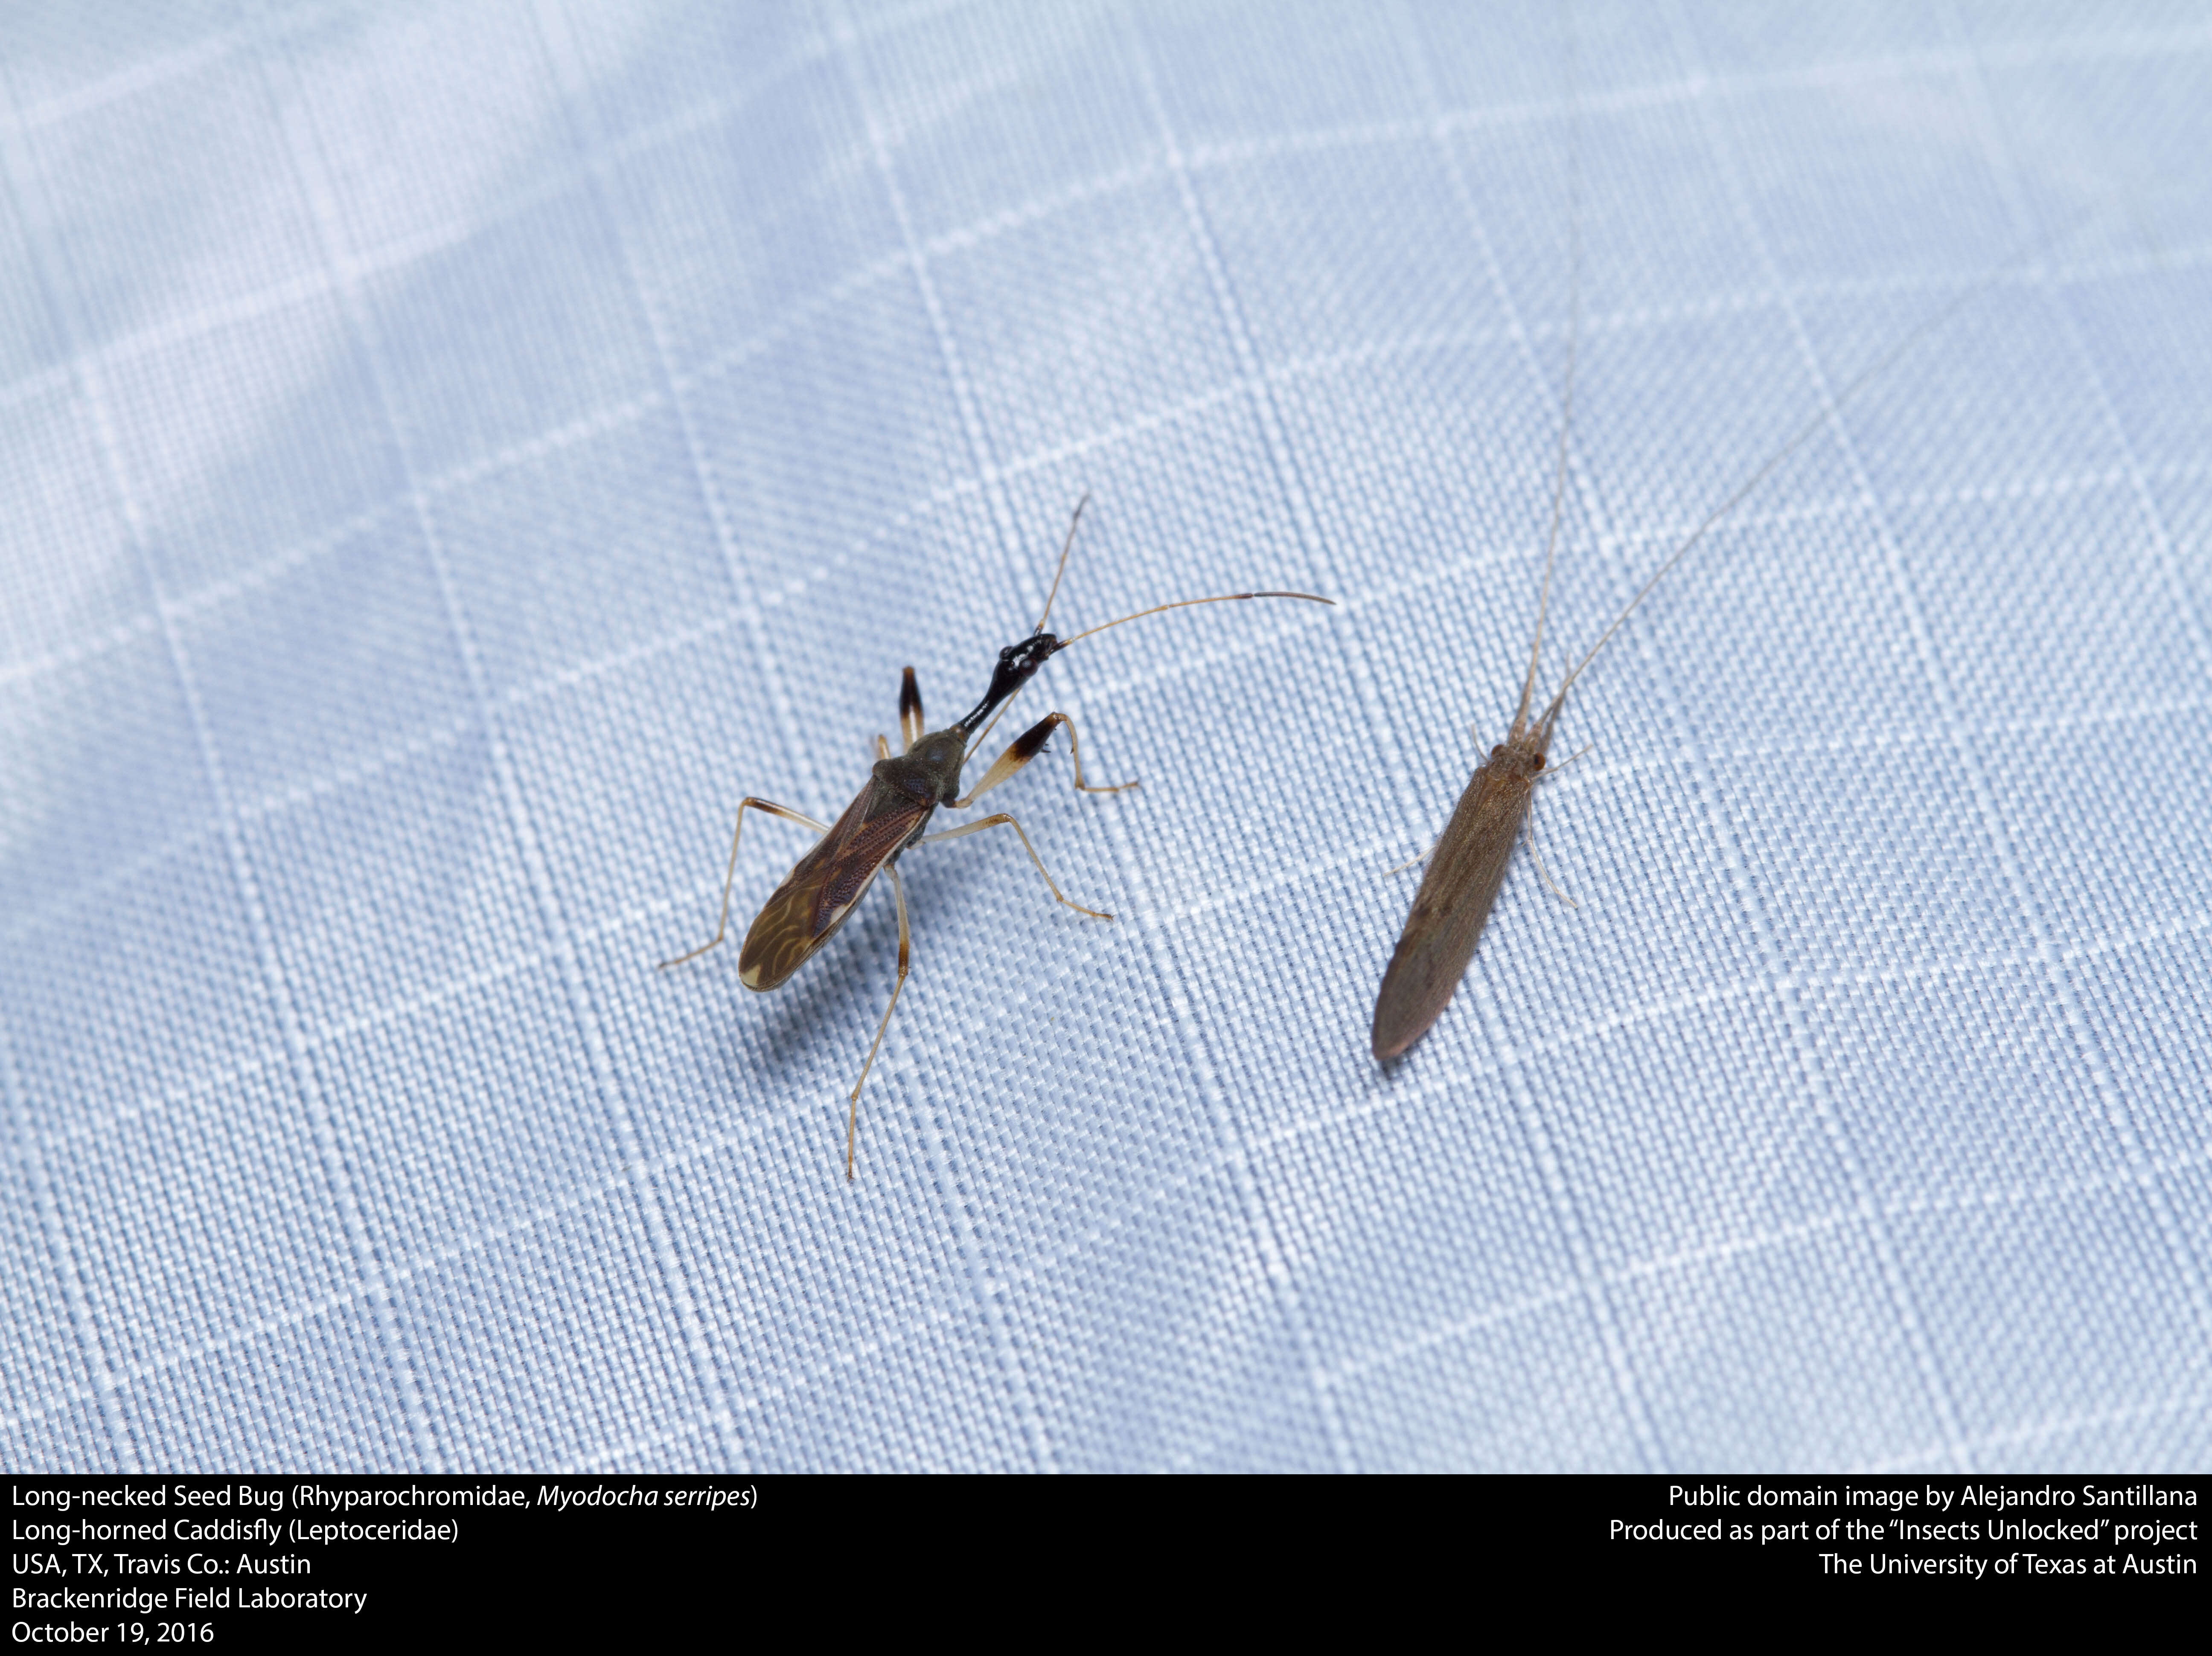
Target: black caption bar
<point x="259" y="1561"/>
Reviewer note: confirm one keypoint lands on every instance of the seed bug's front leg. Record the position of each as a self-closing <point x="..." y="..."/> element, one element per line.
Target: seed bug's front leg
<point x="993" y="822"/>
<point x="773" y="809"/>
<point x="852" y="1116"/>
<point x="1027" y="746"/>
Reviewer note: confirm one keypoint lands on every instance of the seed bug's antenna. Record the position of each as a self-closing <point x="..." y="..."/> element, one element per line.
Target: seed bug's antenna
<point x="1185" y="604"/>
<point x="1066" y="547"/>
<point x="1017" y="663"/>
<point x="1567" y="414"/>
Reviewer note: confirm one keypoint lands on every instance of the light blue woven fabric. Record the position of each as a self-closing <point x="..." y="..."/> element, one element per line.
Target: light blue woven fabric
<point x="449" y="455"/>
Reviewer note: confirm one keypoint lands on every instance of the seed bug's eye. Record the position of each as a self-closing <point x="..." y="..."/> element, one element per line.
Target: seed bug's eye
<point x="1540" y="761"/>
<point x="1498" y="752"/>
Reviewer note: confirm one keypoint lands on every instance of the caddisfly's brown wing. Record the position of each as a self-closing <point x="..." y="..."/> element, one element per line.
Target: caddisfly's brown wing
<point x="827" y="885"/>
<point x="1451" y="908"/>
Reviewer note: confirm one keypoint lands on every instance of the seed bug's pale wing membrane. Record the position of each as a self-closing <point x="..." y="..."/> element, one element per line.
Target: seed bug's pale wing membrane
<point x="889" y="814"/>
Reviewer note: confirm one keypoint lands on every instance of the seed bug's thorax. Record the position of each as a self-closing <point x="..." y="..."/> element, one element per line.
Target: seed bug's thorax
<point x="928" y="772"/>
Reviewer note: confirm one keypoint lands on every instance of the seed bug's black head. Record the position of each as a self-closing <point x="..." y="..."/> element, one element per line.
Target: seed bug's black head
<point x="1018" y="664"/>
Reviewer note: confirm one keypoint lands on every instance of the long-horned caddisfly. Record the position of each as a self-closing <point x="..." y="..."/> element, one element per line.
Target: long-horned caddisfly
<point x="1467" y="865"/>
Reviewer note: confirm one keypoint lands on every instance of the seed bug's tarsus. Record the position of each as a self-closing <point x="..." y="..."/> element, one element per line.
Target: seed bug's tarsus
<point x="888" y="817"/>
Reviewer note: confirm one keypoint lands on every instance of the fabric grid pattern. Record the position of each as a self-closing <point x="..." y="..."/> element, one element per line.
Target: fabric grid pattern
<point x="452" y="454"/>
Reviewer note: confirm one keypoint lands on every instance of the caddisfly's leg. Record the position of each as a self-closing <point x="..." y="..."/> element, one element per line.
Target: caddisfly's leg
<point x="1529" y="831"/>
<point x="1027" y="746"/>
<point x="1585" y="747"/>
<point x="773" y="809"/>
<point x="1410" y="861"/>
<point x="994" y="822"/>
<point x="853" y="1116"/>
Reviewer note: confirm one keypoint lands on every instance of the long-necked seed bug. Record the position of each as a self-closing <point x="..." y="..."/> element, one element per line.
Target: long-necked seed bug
<point x="888" y="815"/>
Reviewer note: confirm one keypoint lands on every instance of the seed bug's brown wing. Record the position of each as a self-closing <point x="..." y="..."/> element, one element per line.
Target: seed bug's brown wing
<point x="1451" y="908"/>
<point x="816" y="897"/>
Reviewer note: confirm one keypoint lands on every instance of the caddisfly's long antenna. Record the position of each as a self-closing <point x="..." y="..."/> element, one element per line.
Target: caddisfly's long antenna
<point x="1830" y="408"/>
<point x="1066" y="547"/>
<point x="1567" y="414"/>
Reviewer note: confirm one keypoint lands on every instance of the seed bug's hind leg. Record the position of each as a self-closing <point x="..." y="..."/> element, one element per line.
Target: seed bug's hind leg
<point x="1027" y="746"/>
<point x="910" y="729"/>
<point x="728" y="879"/>
<point x="853" y="1114"/>
<point x="993" y="822"/>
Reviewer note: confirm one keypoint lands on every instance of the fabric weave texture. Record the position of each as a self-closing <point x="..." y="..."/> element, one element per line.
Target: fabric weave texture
<point x="449" y="455"/>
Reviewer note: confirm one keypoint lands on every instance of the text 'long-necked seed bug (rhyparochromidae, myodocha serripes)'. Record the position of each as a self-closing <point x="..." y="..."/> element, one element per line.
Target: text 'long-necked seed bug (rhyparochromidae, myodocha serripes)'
<point x="888" y="815"/>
